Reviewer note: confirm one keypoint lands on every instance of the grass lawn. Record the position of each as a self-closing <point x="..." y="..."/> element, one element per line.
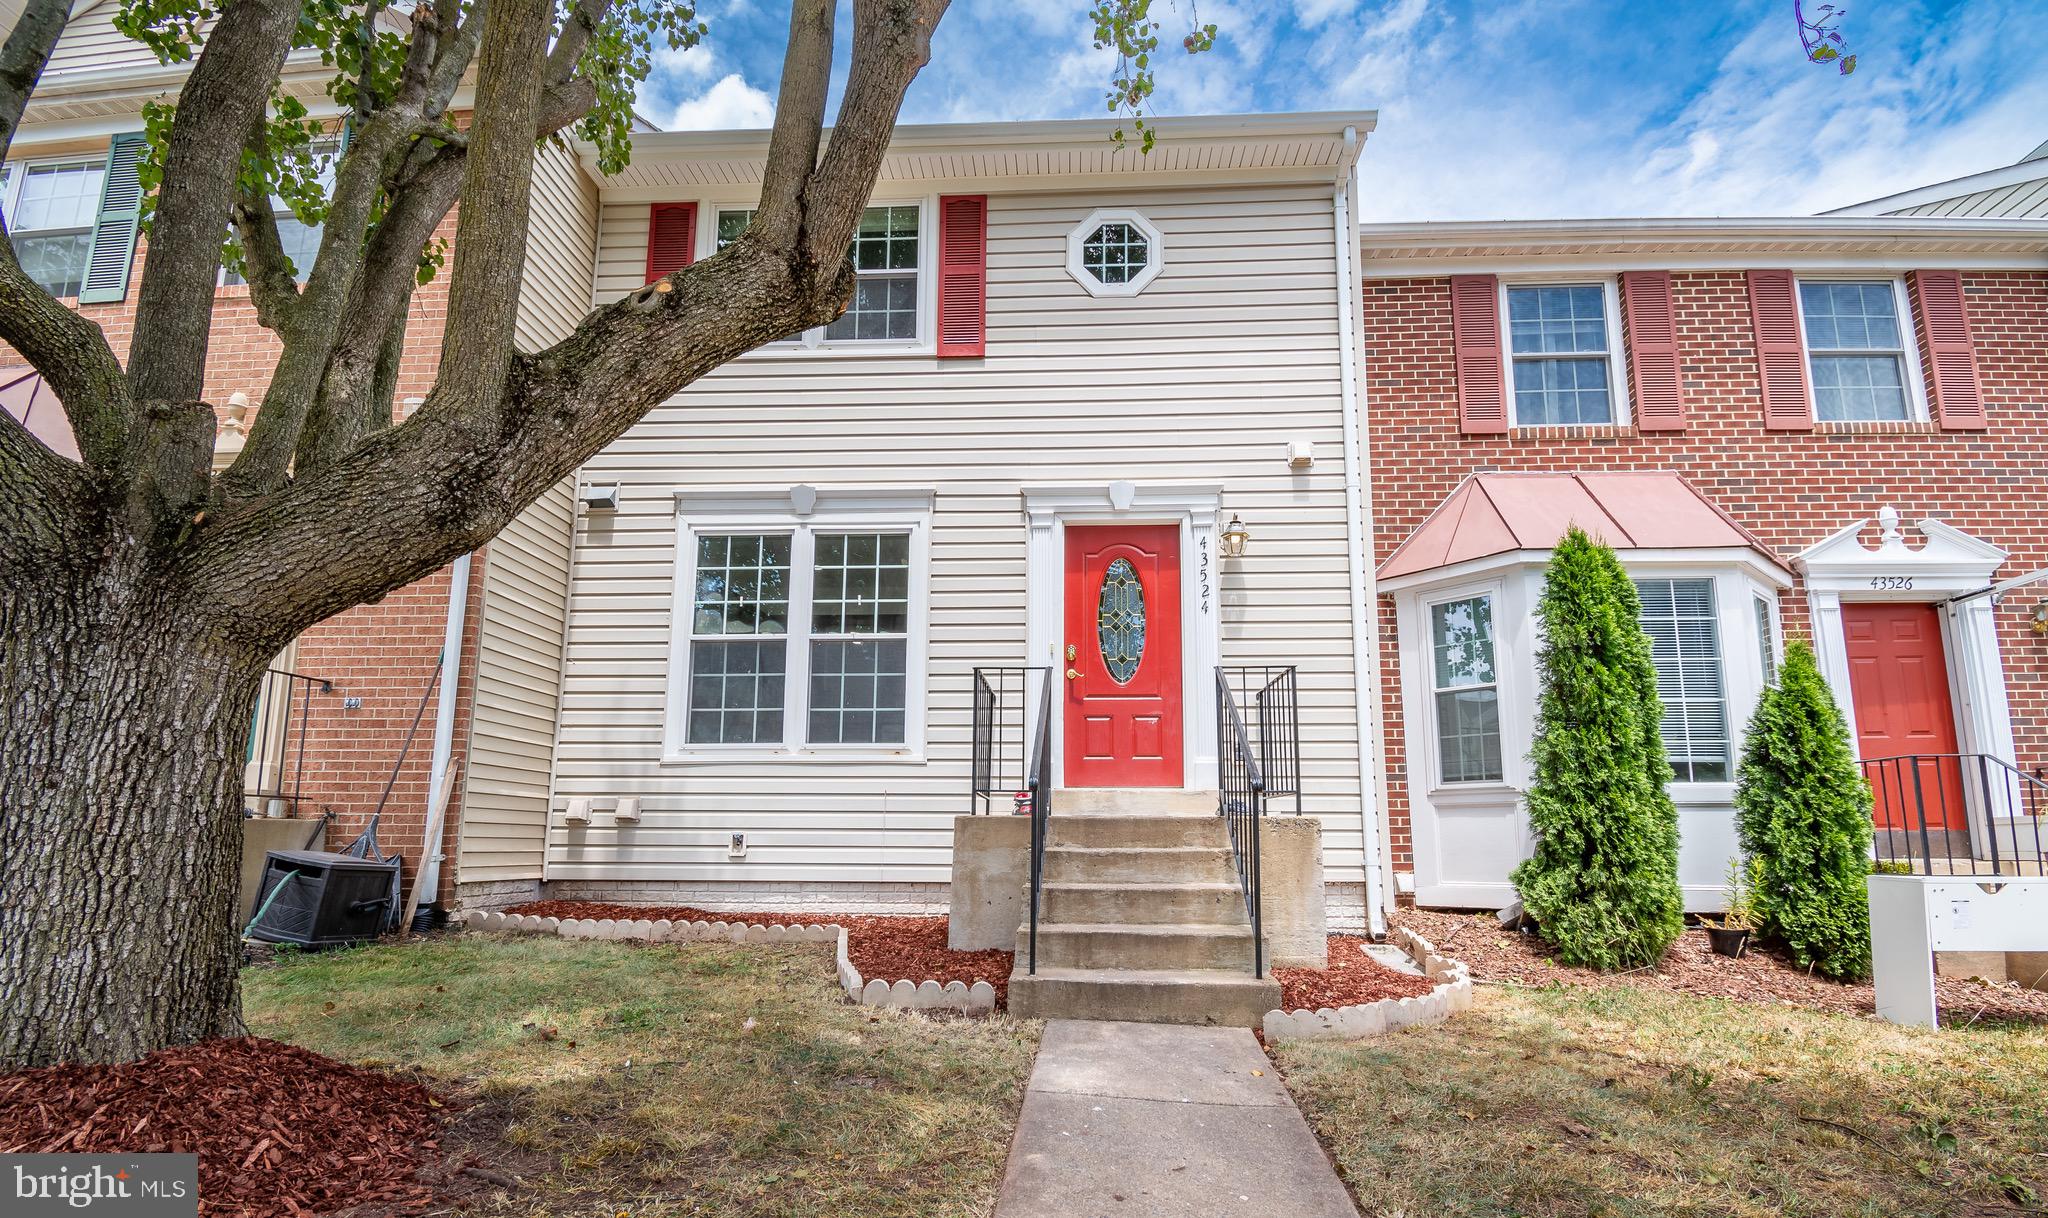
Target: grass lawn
<point x="669" y="1080"/>
<point x="1562" y="1101"/>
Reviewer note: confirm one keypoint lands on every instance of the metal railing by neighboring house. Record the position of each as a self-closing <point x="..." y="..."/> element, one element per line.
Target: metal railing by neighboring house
<point x="1958" y="814"/>
<point x="276" y="765"/>
<point x="1258" y="759"/>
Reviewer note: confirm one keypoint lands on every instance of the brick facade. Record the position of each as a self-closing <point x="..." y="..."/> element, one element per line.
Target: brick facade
<point x="1789" y="488"/>
<point x="381" y="653"/>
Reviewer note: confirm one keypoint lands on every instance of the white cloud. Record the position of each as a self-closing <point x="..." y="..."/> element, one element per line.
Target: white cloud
<point x="689" y="63"/>
<point x="729" y="104"/>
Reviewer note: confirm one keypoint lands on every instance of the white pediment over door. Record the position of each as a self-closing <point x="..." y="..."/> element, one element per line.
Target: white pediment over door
<point x="1947" y="561"/>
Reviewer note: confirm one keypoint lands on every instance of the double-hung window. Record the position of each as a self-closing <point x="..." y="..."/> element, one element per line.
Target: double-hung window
<point x="1685" y="644"/>
<point x="1856" y="350"/>
<point x="802" y="637"/>
<point x="51" y="209"/>
<point x="1561" y="354"/>
<point x="888" y="267"/>
<point x="1467" y="690"/>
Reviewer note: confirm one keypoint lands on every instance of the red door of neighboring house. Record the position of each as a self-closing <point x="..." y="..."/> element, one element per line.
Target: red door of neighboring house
<point x="1898" y="678"/>
<point x="1122" y="652"/>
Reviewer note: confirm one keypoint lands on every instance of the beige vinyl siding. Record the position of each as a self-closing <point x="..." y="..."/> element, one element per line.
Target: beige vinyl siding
<point x="2015" y="201"/>
<point x="90" y="43"/>
<point x="1229" y="354"/>
<point x="526" y="571"/>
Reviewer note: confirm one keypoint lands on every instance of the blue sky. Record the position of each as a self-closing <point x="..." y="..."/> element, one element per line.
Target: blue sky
<point x="1522" y="108"/>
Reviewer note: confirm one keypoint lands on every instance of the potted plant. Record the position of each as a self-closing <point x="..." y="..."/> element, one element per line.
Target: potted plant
<point x="1738" y="916"/>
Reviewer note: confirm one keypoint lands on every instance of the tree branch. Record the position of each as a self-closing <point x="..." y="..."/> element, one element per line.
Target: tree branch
<point x="225" y="94"/>
<point x="273" y="285"/>
<point x="72" y="354"/>
<point x="43" y="499"/>
<point x="799" y="122"/>
<point x="22" y="57"/>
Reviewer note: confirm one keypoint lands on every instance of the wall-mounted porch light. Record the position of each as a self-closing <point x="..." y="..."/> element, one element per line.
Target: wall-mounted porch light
<point x="1235" y="537"/>
<point x="2039" y="622"/>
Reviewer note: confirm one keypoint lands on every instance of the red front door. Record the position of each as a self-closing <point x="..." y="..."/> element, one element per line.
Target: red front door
<point x="1898" y="679"/>
<point x="1122" y="654"/>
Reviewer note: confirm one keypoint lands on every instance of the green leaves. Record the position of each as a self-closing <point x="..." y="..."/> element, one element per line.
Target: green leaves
<point x="1803" y="812"/>
<point x="1128" y="28"/>
<point x="618" y="57"/>
<point x="1603" y="882"/>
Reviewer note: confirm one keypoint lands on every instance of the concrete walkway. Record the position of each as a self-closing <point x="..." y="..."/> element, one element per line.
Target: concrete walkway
<point x="1140" y="1119"/>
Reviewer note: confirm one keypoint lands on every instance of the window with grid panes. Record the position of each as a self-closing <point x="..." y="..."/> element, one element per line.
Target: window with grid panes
<point x="885" y="257"/>
<point x="1467" y="690"/>
<point x="1559" y="352"/>
<point x="51" y="209"/>
<point x="1685" y="645"/>
<point x="1855" y="350"/>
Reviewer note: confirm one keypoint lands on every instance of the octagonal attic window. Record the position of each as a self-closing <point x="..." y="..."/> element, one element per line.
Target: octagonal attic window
<point x="1114" y="253"/>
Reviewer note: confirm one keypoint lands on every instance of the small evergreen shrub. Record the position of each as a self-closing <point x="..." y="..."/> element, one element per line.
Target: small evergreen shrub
<point x="1804" y="812"/>
<point x="1603" y="883"/>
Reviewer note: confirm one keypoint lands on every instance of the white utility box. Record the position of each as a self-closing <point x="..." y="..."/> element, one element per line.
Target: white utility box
<point x="1914" y="916"/>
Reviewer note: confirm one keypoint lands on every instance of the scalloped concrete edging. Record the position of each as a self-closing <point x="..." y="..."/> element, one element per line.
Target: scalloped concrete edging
<point x="1452" y="993"/>
<point x="905" y="995"/>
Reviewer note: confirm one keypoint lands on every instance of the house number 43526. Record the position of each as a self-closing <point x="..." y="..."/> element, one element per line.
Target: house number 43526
<point x="1891" y="583"/>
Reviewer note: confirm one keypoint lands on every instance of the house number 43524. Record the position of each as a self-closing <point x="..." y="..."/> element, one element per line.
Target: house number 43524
<point x="1891" y="583"/>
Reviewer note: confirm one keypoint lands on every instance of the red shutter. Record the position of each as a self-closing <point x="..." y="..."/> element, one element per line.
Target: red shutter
<point x="1653" y="351"/>
<point x="1951" y="352"/>
<point x="1475" y="335"/>
<point x="1780" y="351"/>
<point x="963" y="276"/>
<point x="671" y="238"/>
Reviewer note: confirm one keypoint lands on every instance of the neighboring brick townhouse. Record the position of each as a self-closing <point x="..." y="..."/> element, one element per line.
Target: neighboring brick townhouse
<point x="1824" y="428"/>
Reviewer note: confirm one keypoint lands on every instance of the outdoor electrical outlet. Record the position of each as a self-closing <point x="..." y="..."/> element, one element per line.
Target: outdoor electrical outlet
<point x="351" y="703"/>
<point x="738" y="849"/>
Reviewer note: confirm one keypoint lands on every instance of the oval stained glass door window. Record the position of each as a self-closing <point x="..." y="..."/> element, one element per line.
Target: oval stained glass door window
<point x="1120" y="621"/>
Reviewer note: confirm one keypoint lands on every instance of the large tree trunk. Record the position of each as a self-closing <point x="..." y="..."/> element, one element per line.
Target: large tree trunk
<point x="123" y="722"/>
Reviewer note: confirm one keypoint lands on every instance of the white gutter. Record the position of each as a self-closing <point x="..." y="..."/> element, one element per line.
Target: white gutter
<point x="429" y="881"/>
<point x="1365" y="645"/>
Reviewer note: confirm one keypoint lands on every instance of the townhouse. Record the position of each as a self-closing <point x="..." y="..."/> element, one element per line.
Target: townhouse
<point x="1154" y="483"/>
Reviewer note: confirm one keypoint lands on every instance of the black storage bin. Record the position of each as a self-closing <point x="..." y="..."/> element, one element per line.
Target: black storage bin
<point x="328" y="898"/>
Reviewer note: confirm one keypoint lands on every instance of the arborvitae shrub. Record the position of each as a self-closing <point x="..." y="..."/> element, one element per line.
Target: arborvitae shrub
<point x="1804" y="813"/>
<point x="1603" y="883"/>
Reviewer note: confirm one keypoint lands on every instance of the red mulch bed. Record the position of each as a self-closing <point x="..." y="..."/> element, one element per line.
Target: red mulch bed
<point x="890" y="948"/>
<point x="1691" y="967"/>
<point x="278" y="1130"/>
<point x="1352" y="978"/>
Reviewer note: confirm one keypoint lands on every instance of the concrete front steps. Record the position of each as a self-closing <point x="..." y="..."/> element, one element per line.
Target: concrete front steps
<point x="1141" y="916"/>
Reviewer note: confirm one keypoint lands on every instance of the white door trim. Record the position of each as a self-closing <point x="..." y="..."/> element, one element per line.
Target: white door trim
<point x="1048" y="510"/>
<point x="1840" y="568"/>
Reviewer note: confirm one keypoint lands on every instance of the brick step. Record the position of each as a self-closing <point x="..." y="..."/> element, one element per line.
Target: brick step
<point x="1131" y="801"/>
<point x="1141" y="904"/>
<point x="1174" y="945"/>
<point x="1122" y="830"/>
<point x="1139" y="865"/>
<point x="1192" y="996"/>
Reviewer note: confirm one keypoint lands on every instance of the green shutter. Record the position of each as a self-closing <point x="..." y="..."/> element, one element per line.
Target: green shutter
<point x="113" y="236"/>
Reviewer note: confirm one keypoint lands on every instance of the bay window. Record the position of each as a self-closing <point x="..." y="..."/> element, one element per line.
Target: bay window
<point x="1685" y="644"/>
<point x="1467" y="690"/>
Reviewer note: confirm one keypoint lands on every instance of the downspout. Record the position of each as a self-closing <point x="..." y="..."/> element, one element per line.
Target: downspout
<point x="429" y="881"/>
<point x="1365" y="646"/>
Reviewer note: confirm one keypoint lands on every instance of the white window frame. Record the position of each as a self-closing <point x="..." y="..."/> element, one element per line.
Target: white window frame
<point x="1733" y="721"/>
<point x="17" y="173"/>
<point x="1432" y="733"/>
<point x="700" y="512"/>
<point x="1155" y="252"/>
<point x="1617" y="354"/>
<point x="814" y="340"/>
<point x="1770" y="639"/>
<point x="1909" y="353"/>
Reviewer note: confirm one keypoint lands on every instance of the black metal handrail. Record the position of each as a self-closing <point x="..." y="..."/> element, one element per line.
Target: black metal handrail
<point x="1241" y="802"/>
<point x="277" y="737"/>
<point x="1040" y="791"/>
<point x="1001" y="763"/>
<point x="1957" y="814"/>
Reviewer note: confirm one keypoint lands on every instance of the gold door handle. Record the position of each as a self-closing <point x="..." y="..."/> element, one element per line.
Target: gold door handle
<point x="1072" y="675"/>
